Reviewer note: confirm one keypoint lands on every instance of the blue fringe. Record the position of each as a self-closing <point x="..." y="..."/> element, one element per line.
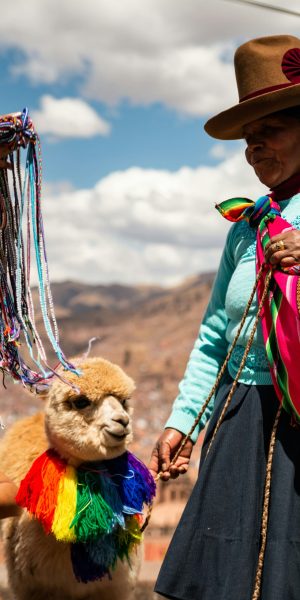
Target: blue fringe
<point x="125" y="484"/>
<point x="84" y="567"/>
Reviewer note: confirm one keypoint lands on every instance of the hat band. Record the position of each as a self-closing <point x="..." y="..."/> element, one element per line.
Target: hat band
<point x="273" y="88"/>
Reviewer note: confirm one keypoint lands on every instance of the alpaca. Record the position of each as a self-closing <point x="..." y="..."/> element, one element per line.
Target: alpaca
<point x="92" y="425"/>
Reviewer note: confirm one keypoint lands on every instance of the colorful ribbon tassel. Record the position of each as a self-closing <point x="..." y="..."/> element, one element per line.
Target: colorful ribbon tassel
<point x="97" y="508"/>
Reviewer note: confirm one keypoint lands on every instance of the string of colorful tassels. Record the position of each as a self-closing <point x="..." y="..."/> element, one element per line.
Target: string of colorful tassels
<point x="20" y="200"/>
<point x="96" y="508"/>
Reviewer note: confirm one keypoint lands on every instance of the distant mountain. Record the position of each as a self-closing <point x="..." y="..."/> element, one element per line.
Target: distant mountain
<point x="79" y="297"/>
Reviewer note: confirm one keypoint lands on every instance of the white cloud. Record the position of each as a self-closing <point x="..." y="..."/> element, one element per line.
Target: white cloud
<point x="220" y="151"/>
<point x="143" y="225"/>
<point x="170" y="51"/>
<point x="68" y="117"/>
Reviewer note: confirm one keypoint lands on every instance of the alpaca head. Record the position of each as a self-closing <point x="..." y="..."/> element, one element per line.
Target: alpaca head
<point x="94" y="424"/>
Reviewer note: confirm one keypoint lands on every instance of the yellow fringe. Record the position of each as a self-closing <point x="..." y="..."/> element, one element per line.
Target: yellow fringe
<point x="133" y="528"/>
<point x="66" y="507"/>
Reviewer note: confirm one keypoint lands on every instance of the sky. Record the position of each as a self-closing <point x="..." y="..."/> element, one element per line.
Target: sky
<point x="119" y="93"/>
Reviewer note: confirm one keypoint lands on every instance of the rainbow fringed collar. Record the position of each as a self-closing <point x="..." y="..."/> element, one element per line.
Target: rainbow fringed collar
<point x="97" y="508"/>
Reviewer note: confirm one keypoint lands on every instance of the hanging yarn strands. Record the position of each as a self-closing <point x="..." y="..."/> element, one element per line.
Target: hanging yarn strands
<point x="97" y="508"/>
<point x="20" y="200"/>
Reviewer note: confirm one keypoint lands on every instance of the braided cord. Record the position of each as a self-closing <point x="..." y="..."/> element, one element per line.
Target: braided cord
<point x="20" y="280"/>
<point x="43" y="246"/>
<point x="247" y="349"/>
<point x="40" y="251"/>
<point x="266" y="505"/>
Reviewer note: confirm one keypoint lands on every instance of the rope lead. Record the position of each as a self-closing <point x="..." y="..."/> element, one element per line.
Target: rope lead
<point x="267" y="487"/>
<point x="265" y="514"/>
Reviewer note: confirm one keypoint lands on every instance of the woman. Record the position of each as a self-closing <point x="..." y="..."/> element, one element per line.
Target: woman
<point x="235" y="540"/>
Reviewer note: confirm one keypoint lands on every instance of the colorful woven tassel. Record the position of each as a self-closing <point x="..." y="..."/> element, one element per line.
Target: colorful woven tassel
<point x="20" y="199"/>
<point x="96" y="508"/>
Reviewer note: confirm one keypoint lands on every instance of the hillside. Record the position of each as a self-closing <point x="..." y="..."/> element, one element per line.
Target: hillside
<point x="148" y="330"/>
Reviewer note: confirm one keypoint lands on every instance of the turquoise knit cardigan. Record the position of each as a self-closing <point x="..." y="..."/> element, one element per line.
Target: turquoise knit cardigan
<point x="230" y="294"/>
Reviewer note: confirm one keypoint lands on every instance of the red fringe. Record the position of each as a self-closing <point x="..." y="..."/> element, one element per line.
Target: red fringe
<point x="38" y="491"/>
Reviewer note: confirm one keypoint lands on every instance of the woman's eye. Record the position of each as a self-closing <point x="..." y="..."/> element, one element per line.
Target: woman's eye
<point x="81" y="402"/>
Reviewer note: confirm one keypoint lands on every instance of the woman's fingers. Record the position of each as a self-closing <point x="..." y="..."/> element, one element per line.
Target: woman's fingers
<point x="182" y="462"/>
<point x="153" y="465"/>
<point x="160" y="460"/>
<point x="165" y="449"/>
<point x="178" y="469"/>
<point x="284" y="248"/>
<point x="288" y="261"/>
<point x="275" y="257"/>
<point x="277" y="238"/>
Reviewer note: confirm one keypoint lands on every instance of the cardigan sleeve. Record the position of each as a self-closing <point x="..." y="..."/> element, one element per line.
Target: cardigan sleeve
<point x="208" y="353"/>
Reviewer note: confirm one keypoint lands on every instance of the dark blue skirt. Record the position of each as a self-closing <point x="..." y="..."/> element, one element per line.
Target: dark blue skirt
<point x="213" y="554"/>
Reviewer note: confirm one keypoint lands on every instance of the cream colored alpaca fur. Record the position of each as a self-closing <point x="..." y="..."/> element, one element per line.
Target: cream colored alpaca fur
<point x="39" y="567"/>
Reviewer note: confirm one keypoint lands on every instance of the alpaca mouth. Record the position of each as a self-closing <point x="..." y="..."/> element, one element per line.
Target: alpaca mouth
<point x="117" y="436"/>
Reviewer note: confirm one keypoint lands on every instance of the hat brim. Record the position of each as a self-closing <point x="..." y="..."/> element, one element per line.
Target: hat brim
<point x="228" y="125"/>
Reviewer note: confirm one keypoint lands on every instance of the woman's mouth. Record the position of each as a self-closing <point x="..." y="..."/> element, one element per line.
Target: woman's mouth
<point x="259" y="160"/>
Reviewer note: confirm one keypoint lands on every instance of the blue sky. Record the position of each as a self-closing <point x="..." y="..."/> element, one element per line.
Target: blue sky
<point x="148" y="136"/>
<point x="119" y="93"/>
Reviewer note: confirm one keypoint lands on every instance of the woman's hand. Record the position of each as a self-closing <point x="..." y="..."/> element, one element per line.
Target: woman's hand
<point x="284" y="249"/>
<point x="163" y="452"/>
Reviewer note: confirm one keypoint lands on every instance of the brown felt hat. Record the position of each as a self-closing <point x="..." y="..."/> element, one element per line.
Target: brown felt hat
<point x="268" y="79"/>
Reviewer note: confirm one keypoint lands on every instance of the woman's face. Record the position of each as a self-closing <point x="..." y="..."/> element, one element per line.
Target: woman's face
<point x="273" y="148"/>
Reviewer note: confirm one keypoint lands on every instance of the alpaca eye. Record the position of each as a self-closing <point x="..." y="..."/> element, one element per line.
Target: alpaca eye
<point x="81" y="402"/>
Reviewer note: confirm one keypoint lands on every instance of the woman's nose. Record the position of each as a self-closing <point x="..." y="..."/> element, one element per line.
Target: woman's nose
<point x="254" y="142"/>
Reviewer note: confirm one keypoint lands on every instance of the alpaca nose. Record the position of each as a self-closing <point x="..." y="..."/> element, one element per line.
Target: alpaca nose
<point x="122" y="419"/>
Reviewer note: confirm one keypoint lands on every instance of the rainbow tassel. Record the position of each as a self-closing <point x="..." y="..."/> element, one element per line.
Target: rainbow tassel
<point x="96" y="508"/>
<point x="235" y="209"/>
<point x="243" y="209"/>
